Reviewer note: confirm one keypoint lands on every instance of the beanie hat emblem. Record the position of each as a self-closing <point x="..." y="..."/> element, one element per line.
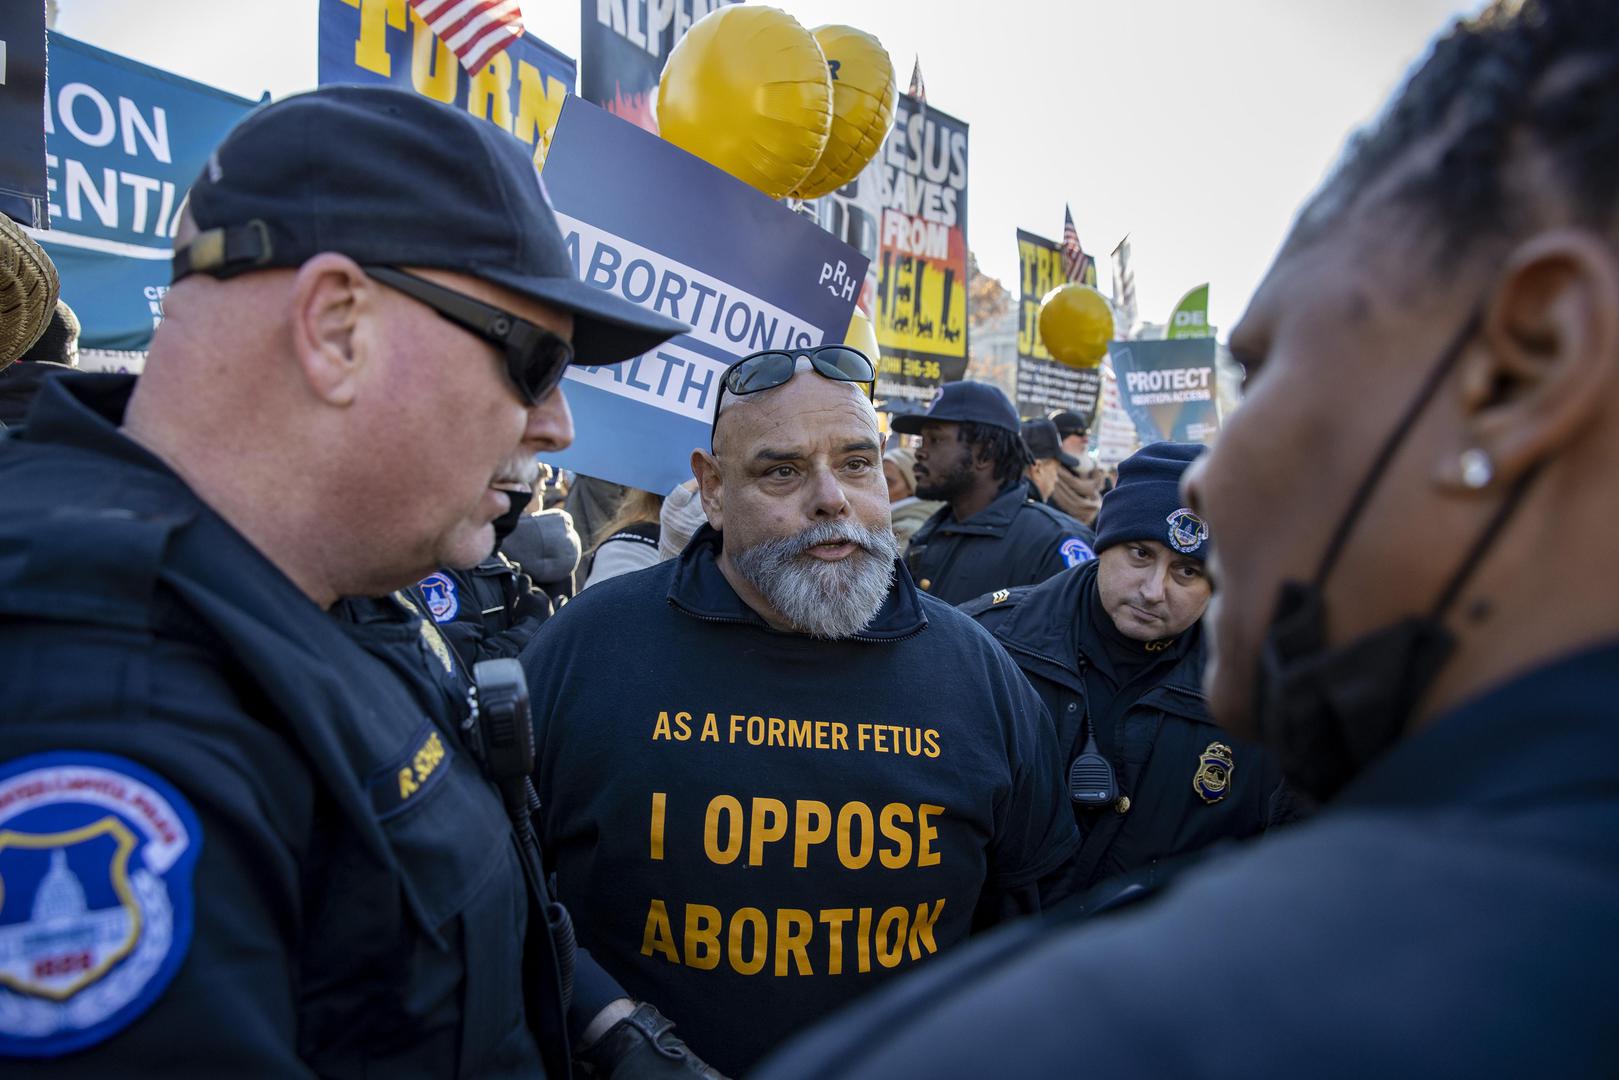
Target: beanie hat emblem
<point x="1187" y="531"/>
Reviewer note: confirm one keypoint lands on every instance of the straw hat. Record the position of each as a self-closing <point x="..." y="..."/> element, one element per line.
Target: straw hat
<point x="28" y="290"/>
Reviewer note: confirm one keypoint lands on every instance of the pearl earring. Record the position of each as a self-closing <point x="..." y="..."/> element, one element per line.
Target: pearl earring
<point x="1477" y="469"/>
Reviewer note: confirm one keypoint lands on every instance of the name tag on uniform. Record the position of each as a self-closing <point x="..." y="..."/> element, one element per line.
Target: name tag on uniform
<point x="405" y="781"/>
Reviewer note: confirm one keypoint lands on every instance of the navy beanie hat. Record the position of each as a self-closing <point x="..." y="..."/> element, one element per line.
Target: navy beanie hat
<point x="1146" y="503"/>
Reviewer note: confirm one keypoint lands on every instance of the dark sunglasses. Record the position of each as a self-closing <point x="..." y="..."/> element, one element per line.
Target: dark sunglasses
<point x="535" y="357"/>
<point x="761" y="371"/>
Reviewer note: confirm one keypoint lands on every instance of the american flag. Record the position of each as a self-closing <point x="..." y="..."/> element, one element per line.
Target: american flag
<point x="1076" y="265"/>
<point x="474" y="30"/>
<point x="917" y="90"/>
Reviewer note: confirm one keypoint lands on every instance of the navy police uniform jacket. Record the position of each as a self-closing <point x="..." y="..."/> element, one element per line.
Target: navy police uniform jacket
<point x="1454" y="912"/>
<point x="1184" y="784"/>
<point x="752" y="827"/>
<point x="231" y="841"/>
<point x="1012" y="541"/>
<point x="488" y="612"/>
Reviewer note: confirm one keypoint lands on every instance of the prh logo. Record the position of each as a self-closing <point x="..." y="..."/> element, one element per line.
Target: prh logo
<point x="838" y="281"/>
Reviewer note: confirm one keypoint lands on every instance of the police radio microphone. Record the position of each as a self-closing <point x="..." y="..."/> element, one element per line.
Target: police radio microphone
<point x="501" y="727"/>
<point x="1090" y="777"/>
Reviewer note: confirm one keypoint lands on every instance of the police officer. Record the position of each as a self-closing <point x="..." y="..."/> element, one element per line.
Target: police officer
<point x="991" y="534"/>
<point x="1050" y="459"/>
<point x="491" y="610"/>
<point x="236" y="843"/>
<point x="1115" y="648"/>
<point x="1416" y="610"/>
<point x="772" y="761"/>
<point x="1078" y="492"/>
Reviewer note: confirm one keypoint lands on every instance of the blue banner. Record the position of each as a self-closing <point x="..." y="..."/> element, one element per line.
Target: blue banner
<point x="123" y="143"/>
<point x="672" y="233"/>
<point x="1167" y="387"/>
<point x="22" y="91"/>
<point x="385" y="41"/>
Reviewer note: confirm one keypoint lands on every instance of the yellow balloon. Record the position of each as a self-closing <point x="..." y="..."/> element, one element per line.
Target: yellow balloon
<point x="863" y="336"/>
<point x="863" y="94"/>
<point x="748" y="90"/>
<point x="1076" y="324"/>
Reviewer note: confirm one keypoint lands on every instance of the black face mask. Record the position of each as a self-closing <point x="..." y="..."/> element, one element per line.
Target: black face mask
<point x="507" y="522"/>
<point x="1328" y="712"/>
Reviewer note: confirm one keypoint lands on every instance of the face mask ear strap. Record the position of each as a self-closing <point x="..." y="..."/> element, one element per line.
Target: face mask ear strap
<point x="1391" y="445"/>
<point x="1486" y="537"/>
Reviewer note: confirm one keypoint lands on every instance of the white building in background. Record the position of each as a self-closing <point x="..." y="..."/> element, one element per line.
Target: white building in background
<point x="992" y="351"/>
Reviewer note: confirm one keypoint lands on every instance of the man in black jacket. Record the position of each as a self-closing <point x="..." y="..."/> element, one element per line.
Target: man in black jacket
<point x="993" y="533"/>
<point x="774" y="773"/>
<point x="1115" y="649"/>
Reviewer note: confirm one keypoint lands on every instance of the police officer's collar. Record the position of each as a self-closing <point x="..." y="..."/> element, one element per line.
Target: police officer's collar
<point x="992" y="520"/>
<point x="700" y="589"/>
<point x="86" y="411"/>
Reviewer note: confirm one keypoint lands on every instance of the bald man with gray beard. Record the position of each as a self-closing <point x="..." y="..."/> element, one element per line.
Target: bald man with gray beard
<point x="773" y="771"/>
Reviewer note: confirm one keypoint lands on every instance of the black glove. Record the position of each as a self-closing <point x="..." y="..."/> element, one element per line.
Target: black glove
<point x="526" y="601"/>
<point x="642" y="1046"/>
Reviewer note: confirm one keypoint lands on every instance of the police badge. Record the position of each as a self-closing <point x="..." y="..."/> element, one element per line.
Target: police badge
<point x="1214" y="769"/>
<point x="1187" y="531"/>
<point x="96" y="855"/>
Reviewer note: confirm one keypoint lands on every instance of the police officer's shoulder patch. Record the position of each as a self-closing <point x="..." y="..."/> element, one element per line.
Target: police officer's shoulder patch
<point x="443" y="599"/>
<point x="1075" y="551"/>
<point x="96" y="860"/>
<point x="994" y="601"/>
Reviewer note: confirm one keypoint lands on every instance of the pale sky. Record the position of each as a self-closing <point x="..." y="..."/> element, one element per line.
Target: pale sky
<point x="1196" y="126"/>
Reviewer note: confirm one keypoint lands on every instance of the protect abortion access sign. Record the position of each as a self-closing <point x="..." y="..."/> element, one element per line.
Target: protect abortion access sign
<point x="1168" y="388"/>
<point x="668" y="231"/>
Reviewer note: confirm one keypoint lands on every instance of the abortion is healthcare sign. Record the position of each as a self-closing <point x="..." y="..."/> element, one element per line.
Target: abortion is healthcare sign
<point x="670" y="232"/>
<point x="123" y="143"/>
<point x="385" y="41"/>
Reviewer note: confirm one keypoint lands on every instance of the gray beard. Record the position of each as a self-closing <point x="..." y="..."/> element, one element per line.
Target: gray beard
<point x="828" y="600"/>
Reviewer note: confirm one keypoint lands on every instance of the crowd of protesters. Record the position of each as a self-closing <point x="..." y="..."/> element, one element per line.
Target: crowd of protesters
<point x="330" y="742"/>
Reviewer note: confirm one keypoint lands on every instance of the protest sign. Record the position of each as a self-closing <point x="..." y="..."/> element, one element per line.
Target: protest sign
<point x="123" y="143"/>
<point x="670" y="232"/>
<point x="1124" y="287"/>
<point x="1113" y="436"/>
<point x="1043" y="384"/>
<point x="22" y="91"/>
<point x="922" y="280"/>
<point x="1168" y="388"/>
<point x="623" y="44"/>
<point x="1190" y="319"/>
<point x="907" y="212"/>
<point x="384" y="41"/>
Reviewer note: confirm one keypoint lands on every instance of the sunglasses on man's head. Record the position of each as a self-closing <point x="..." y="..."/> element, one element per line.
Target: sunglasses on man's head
<point x="535" y="357"/>
<point x="767" y="370"/>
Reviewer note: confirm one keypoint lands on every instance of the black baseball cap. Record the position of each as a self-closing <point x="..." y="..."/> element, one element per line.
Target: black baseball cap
<point x="391" y="178"/>
<point x="1044" y="442"/>
<point x="963" y="403"/>
<point x="1069" y="423"/>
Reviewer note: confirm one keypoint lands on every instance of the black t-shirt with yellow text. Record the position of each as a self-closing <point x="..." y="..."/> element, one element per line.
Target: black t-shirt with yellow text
<point x="751" y="827"/>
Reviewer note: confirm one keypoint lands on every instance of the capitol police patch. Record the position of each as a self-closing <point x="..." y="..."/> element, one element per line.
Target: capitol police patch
<point x="443" y="601"/>
<point x="1075" y="551"/>
<point x="96" y="857"/>
<point x="1187" y="531"/>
